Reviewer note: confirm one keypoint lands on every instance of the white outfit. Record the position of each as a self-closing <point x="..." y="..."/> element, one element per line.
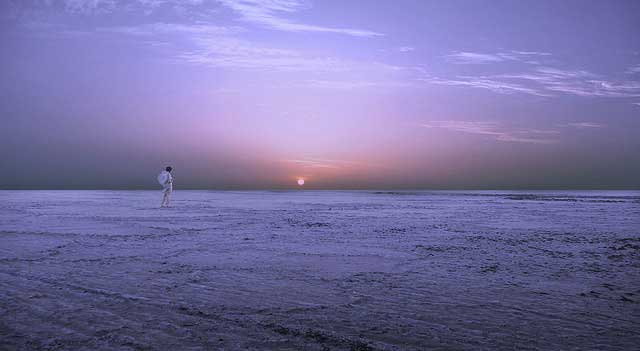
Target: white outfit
<point x="166" y="180"/>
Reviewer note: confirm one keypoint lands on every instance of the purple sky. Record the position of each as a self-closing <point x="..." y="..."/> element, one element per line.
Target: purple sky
<point x="345" y="94"/>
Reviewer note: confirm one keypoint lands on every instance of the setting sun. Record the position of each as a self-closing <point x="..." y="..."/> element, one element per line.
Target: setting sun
<point x="300" y="181"/>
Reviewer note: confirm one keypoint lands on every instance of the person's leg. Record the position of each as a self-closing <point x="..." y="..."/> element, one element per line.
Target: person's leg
<point x="164" y="198"/>
<point x="169" y="198"/>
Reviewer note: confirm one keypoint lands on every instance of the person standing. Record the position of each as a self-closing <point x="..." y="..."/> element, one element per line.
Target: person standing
<point x="166" y="180"/>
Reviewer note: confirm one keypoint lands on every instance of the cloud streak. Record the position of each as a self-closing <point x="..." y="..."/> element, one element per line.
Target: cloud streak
<point x="633" y="69"/>
<point x="492" y="84"/>
<point x="89" y="6"/>
<point x="582" y="125"/>
<point x="152" y="29"/>
<point x="406" y="49"/>
<point x="269" y="14"/>
<point x="465" y="57"/>
<point x="497" y="131"/>
<point x="580" y="83"/>
<point x="352" y="84"/>
<point x="546" y="82"/>
<point x="505" y="133"/>
<point x="236" y="53"/>
<point x="219" y="46"/>
<point x="334" y="164"/>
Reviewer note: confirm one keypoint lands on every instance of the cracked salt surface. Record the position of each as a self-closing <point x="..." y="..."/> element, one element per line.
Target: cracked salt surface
<point x="319" y="270"/>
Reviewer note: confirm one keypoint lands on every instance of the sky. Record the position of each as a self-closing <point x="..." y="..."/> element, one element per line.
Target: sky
<point x="345" y="94"/>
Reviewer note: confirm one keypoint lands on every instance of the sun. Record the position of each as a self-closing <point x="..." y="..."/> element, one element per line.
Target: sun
<point x="300" y="181"/>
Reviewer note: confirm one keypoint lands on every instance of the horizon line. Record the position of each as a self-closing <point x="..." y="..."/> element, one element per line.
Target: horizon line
<point x="611" y="188"/>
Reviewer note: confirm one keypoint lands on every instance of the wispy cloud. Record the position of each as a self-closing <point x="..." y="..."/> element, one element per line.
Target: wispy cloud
<point x="152" y="29"/>
<point x="507" y="133"/>
<point x="194" y="8"/>
<point x="546" y="81"/>
<point x="582" y="125"/>
<point x="204" y="43"/>
<point x="474" y="58"/>
<point x="237" y="53"/>
<point x="498" y="131"/>
<point x="88" y="6"/>
<point x="269" y="14"/>
<point x="406" y="49"/>
<point x="495" y="85"/>
<point x="577" y="82"/>
<point x="465" y="57"/>
<point x="531" y="53"/>
<point x="219" y="46"/>
<point x="311" y="162"/>
<point x="352" y="84"/>
<point x="633" y="69"/>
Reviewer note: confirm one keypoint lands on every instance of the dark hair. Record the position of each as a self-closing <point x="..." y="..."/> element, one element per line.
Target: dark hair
<point x="168" y="169"/>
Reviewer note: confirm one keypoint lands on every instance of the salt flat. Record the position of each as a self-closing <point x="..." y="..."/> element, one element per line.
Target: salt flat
<point x="319" y="270"/>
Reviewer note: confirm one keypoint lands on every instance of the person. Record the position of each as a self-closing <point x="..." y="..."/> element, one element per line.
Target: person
<point x="166" y="180"/>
